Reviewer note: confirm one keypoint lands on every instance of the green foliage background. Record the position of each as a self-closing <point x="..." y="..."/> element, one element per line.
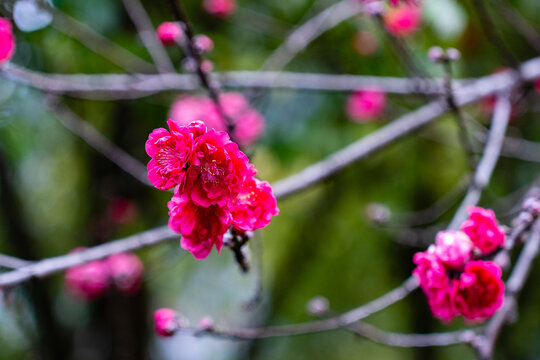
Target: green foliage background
<point x="322" y="243"/>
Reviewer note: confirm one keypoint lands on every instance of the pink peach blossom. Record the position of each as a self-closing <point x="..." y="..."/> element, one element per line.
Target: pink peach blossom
<point x="166" y="322"/>
<point x="365" y="105"/>
<point x="249" y="123"/>
<point x="439" y="289"/>
<point x="254" y="206"/>
<point x="220" y="8"/>
<point x="403" y="20"/>
<point x="7" y="41"/>
<point x="169" y="33"/>
<point x="203" y="43"/>
<point x="483" y="230"/>
<point x="87" y="281"/>
<point x="453" y="249"/>
<point x="481" y="290"/>
<point x="171" y="152"/>
<point x="217" y="170"/>
<point x="126" y="271"/>
<point x="201" y="227"/>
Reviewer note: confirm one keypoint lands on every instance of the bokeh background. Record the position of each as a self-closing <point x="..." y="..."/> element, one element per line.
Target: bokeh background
<point x="57" y="193"/>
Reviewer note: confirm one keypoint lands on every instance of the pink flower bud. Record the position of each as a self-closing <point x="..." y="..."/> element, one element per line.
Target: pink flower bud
<point x="203" y="43"/>
<point x="318" y="306"/>
<point x="403" y="20"/>
<point x="206" y="323"/>
<point x="453" y="249"/>
<point x="483" y="230"/>
<point x="453" y="54"/>
<point x="169" y="33"/>
<point x="166" y="322"/>
<point x="7" y="41"/>
<point x="87" y="281"/>
<point x="365" y="105"/>
<point x="207" y="66"/>
<point x="122" y="211"/>
<point x="435" y="54"/>
<point x="126" y="271"/>
<point x="220" y="8"/>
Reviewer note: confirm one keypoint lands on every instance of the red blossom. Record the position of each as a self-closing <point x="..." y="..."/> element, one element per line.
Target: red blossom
<point x="254" y="206"/>
<point x="483" y="230"/>
<point x="439" y="289"/>
<point x="7" y="41"/>
<point x="481" y="290"/>
<point x="366" y="104"/>
<point x="166" y="322"/>
<point x="249" y="123"/>
<point x="403" y="21"/>
<point x="169" y="33"/>
<point x="453" y="249"/>
<point x="220" y="8"/>
<point x="126" y="271"/>
<point x="170" y="153"/>
<point x="217" y="170"/>
<point x="87" y="281"/>
<point x="201" y="227"/>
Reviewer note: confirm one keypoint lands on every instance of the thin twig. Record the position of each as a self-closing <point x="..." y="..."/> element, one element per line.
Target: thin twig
<point x="492" y="151"/>
<point x="493" y="36"/>
<point x="11" y="262"/>
<point x="99" y="142"/>
<point x="147" y="33"/>
<point x="521" y="25"/>
<point x="99" y="44"/>
<point x="302" y="36"/>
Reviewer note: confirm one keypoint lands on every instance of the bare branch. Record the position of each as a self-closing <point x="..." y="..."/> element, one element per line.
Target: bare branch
<point x="99" y="142"/>
<point x="57" y="264"/>
<point x="10" y="262"/>
<point x="147" y="34"/>
<point x="492" y="152"/>
<point x="302" y="36"/>
<point x="99" y="43"/>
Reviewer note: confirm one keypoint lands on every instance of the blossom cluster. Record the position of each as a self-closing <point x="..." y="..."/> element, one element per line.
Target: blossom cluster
<point x="249" y="123"/>
<point x="452" y="275"/>
<point x="214" y="185"/>
<point x="92" y="280"/>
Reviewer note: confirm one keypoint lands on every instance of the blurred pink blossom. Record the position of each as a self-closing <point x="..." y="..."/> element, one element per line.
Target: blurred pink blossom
<point x="403" y="21"/>
<point x="169" y="33"/>
<point x="126" y="271"/>
<point x="365" y="105"/>
<point x="7" y="41"/>
<point x="220" y="8"/>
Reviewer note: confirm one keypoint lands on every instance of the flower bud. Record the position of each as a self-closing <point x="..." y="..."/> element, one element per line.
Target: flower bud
<point x="206" y="323"/>
<point x="169" y="33"/>
<point x="435" y="54"/>
<point x="126" y="271"/>
<point x="203" y="43"/>
<point x="167" y="321"/>
<point x="318" y="306"/>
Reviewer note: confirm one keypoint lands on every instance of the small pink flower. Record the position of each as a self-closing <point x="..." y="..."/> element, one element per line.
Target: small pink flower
<point x="453" y="249"/>
<point x="254" y="206"/>
<point x="481" y="290"/>
<point x="203" y="43"/>
<point x="7" y="41"/>
<point x="366" y="104"/>
<point x="201" y="227"/>
<point x="166" y="322"/>
<point x="217" y="170"/>
<point x="126" y="271"/>
<point x="88" y="281"/>
<point x="207" y="66"/>
<point x="171" y="152"/>
<point x="220" y="8"/>
<point x="403" y="21"/>
<point x="206" y="323"/>
<point x="439" y="289"/>
<point x="483" y="230"/>
<point x="249" y="123"/>
<point x="169" y="33"/>
<point x="396" y="2"/>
